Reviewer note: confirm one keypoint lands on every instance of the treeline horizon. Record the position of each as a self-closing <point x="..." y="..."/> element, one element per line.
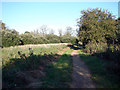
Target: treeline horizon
<point x="11" y="37"/>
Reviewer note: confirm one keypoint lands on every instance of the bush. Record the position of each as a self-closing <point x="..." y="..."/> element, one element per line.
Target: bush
<point x="53" y="38"/>
<point x="111" y="54"/>
<point x="66" y="39"/>
<point x="10" y="38"/>
<point x="94" y="47"/>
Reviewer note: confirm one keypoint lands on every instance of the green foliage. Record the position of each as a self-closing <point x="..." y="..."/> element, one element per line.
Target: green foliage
<point x="68" y="39"/>
<point x="100" y="34"/>
<point x="53" y="38"/>
<point x="12" y="38"/>
<point x="96" y="25"/>
<point x="118" y="30"/>
<point x="9" y="38"/>
<point x="93" y="47"/>
<point x="98" y="30"/>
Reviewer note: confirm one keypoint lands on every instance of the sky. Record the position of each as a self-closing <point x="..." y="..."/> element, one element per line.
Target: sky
<point x="29" y="16"/>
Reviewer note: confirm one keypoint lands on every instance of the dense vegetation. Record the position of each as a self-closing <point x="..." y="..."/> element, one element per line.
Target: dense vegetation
<point x="99" y="33"/>
<point x="11" y="37"/>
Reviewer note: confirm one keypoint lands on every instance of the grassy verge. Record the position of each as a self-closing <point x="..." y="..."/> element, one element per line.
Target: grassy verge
<point x="59" y="74"/>
<point x="100" y="75"/>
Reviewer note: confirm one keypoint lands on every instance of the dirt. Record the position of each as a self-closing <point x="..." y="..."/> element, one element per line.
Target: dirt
<point x="29" y="78"/>
<point x="81" y="77"/>
<point x="61" y="52"/>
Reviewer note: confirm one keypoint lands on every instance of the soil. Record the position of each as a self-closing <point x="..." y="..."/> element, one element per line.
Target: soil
<point x="81" y="77"/>
<point x="61" y="52"/>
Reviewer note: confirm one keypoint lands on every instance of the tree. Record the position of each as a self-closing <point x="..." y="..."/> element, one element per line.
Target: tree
<point x="68" y="31"/>
<point x="118" y="30"/>
<point x="2" y="25"/>
<point x="26" y="32"/>
<point x="51" y="31"/>
<point x="43" y="30"/>
<point x="35" y="32"/>
<point x="96" y="25"/>
<point x="60" y="32"/>
<point x="10" y="38"/>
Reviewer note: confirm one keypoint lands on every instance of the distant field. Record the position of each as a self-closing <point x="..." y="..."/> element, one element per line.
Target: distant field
<point x="38" y="49"/>
<point x="38" y="45"/>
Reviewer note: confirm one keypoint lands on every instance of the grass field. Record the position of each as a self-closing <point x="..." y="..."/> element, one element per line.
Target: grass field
<point x="24" y="59"/>
<point x="9" y="53"/>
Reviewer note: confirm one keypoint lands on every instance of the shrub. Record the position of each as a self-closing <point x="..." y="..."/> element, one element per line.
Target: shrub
<point x="66" y="39"/>
<point x="10" y="38"/>
<point x="94" y="47"/>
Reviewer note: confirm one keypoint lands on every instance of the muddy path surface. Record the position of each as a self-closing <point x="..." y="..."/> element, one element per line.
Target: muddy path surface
<point x="81" y="77"/>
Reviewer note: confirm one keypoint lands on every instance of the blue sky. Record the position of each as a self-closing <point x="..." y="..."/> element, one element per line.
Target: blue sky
<point x="28" y="16"/>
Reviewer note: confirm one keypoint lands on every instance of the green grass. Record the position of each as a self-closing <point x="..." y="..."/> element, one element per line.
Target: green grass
<point x="13" y="62"/>
<point x="59" y="74"/>
<point x="9" y="53"/>
<point x="100" y="75"/>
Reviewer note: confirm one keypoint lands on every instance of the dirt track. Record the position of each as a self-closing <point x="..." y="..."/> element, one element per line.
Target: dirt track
<point x="81" y="74"/>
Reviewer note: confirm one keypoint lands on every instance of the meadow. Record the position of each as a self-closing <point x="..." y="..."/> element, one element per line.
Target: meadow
<point x="41" y="49"/>
<point x="17" y="59"/>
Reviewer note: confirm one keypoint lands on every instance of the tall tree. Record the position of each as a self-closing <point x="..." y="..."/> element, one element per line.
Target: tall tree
<point x="96" y="25"/>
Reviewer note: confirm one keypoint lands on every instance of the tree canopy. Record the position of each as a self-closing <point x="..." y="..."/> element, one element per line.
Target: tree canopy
<point x="96" y="25"/>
